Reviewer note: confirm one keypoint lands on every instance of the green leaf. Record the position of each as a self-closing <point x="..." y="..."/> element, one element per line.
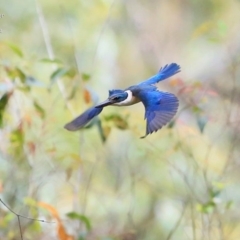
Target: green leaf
<point x="82" y="218"/>
<point x="17" y="136"/>
<point x="39" y="109"/>
<point x="218" y="185"/>
<point x="7" y="219"/>
<point x="21" y="75"/>
<point x="35" y="227"/>
<point x="86" y="77"/>
<point x="214" y="193"/>
<point x="15" y="49"/>
<point x="72" y="94"/>
<point x="71" y="72"/>
<point x="48" y="60"/>
<point x="118" y="121"/>
<point x="17" y="142"/>
<point x="213" y="39"/>
<point x="30" y="201"/>
<point x="196" y="109"/>
<point x="16" y="72"/>
<point x="24" y="88"/>
<point x="58" y="74"/>
<point x="3" y="103"/>
<point x="207" y="207"/>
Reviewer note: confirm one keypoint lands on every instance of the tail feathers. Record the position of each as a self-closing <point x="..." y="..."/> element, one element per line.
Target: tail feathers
<point x="83" y="119"/>
<point x="165" y="72"/>
<point x="169" y="70"/>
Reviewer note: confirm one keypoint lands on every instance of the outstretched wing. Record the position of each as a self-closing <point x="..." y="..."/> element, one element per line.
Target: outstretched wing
<point x="165" y="72"/>
<point x="83" y="119"/>
<point x="160" y="108"/>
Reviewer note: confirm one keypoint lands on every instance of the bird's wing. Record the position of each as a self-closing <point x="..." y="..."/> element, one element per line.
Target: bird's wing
<point x="160" y="108"/>
<point x="83" y="119"/>
<point x="165" y="72"/>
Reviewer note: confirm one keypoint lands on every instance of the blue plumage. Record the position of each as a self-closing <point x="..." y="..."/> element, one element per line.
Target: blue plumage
<point x="160" y="107"/>
<point x="115" y="91"/>
<point x="83" y="119"/>
<point x="165" y="72"/>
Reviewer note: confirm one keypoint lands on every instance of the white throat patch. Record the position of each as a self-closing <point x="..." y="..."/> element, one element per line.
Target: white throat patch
<point x="130" y="100"/>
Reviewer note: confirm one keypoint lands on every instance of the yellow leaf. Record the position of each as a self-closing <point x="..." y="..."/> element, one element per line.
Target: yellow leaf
<point x="75" y="156"/>
<point x="204" y="28"/>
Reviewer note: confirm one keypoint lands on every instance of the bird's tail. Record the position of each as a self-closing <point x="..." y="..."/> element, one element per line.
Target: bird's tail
<point x="165" y="72"/>
<point x="83" y="119"/>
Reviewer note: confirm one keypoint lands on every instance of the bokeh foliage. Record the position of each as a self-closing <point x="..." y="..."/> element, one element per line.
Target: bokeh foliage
<point x="60" y="57"/>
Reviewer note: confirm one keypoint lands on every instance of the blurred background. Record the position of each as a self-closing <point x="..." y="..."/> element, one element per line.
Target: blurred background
<point x="57" y="58"/>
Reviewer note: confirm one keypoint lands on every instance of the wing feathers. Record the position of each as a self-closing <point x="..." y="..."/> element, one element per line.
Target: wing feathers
<point x="160" y="108"/>
<point x="83" y="119"/>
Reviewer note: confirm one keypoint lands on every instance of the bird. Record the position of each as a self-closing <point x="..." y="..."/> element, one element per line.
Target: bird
<point x="160" y="107"/>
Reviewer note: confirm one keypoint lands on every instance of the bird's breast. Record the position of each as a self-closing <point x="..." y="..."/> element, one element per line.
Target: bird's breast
<point x="130" y="100"/>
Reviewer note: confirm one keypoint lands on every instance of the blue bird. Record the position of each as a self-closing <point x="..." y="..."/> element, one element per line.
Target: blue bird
<point x="160" y="107"/>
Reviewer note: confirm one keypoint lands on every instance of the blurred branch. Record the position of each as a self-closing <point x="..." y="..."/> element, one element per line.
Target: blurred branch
<point x="101" y="32"/>
<point x="21" y="216"/>
<point x="50" y="52"/>
<point x="193" y="220"/>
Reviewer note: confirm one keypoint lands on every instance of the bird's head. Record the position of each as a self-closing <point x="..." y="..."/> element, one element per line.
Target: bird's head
<point x="115" y="96"/>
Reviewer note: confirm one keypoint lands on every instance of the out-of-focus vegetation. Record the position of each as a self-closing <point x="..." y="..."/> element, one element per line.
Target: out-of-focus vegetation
<point x="57" y="58"/>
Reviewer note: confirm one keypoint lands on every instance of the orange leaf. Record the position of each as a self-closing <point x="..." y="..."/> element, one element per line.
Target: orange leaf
<point x="27" y="118"/>
<point x="50" y="208"/>
<point x="31" y="147"/>
<point x="86" y="96"/>
<point x="62" y="234"/>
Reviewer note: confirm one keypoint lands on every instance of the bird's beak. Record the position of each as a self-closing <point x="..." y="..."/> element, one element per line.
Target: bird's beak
<point x="104" y="104"/>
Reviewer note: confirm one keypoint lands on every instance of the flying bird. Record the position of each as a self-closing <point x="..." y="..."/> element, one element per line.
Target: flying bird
<point x="160" y="107"/>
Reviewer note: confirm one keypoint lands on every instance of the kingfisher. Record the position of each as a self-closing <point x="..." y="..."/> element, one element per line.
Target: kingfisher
<point x="160" y="107"/>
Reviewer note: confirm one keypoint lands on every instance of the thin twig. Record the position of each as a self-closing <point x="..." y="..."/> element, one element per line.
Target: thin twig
<point x="21" y="216"/>
<point x="20" y="228"/>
